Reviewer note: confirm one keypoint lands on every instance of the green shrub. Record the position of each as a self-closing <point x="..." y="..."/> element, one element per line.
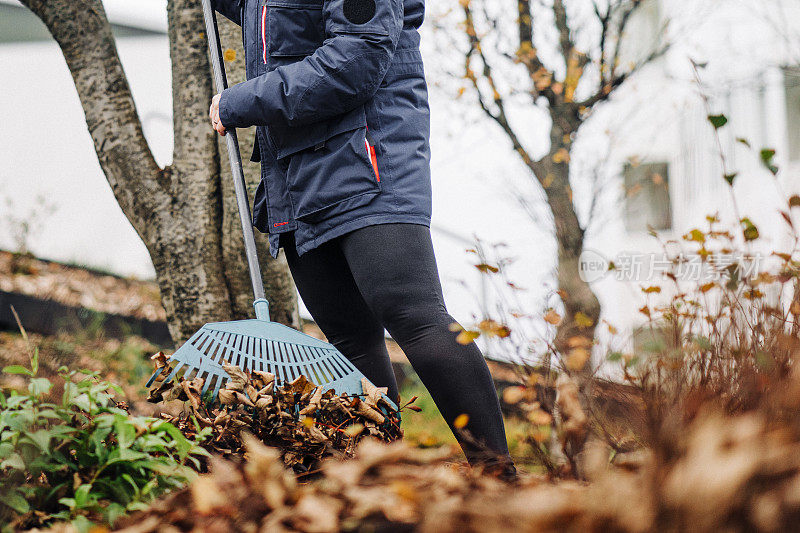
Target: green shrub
<point x="84" y="459"/>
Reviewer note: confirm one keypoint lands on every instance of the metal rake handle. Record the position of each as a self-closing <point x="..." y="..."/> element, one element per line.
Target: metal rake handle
<point x="235" y="158"/>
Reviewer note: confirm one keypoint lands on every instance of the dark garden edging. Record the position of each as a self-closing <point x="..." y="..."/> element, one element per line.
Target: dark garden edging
<point x="48" y="317"/>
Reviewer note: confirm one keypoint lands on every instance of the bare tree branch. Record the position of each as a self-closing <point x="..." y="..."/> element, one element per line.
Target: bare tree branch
<point x="604" y="92"/>
<point x="562" y="25"/>
<point x="500" y="117"/>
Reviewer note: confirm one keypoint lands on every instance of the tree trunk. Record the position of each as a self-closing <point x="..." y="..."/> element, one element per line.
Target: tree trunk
<point x="582" y="308"/>
<point x="178" y="211"/>
<point x="187" y="250"/>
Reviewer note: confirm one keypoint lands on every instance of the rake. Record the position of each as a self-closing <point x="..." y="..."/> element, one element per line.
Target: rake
<point x="259" y="344"/>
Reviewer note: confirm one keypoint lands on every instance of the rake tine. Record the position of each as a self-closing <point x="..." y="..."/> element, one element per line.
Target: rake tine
<point x="219" y="347"/>
<point x="280" y="377"/>
<point x="308" y="366"/>
<point x="325" y="363"/>
<point x="338" y="367"/>
<point x="237" y="350"/>
<point x="261" y="343"/>
<point x="217" y="386"/>
<point x="207" y="384"/>
<point x="158" y="372"/>
<point x="291" y="366"/>
<point x="296" y="366"/>
<point x="248" y="354"/>
<point x="272" y="358"/>
<point x="224" y="347"/>
<point x="175" y="370"/>
<point x="208" y="346"/>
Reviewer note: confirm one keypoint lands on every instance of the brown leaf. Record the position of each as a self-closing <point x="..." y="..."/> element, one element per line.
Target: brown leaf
<point x="514" y="395"/>
<point x="551" y="317"/>
<point x="313" y="404"/>
<point x="577" y="359"/>
<point x="373" y="394"/>
<point x="160" y="360"/>
<point x="238" y="378"/>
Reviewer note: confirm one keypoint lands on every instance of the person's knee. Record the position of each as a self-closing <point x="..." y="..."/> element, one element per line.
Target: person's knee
<point x="356" y="342"/>
<point x="410" y="321"/>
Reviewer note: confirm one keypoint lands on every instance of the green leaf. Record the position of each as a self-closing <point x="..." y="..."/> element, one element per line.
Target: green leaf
<point x="82" y="524"/>
<point x="137" y="506"/>
<point x="767" y="156"/>
<point x="13" y="461"/>
<point x="129" y="479"/>
<point x="124" y="455"/>
<point x="39" y="386"/>
<point x="730" y="177"/>
<point x="82" y="495"/>
<point x="125" y="433"/>
<point x="35" y="361"/>
<point x="614" y="356"/>
<point x="69" y="502"/>
<point x="82" y="402"/>
<point x="16" y="501"/>
<point x="17" y="369"/>
<point x="16" y="401"/>
<point x="182" y="444"/>
<point x="6" y="449"/>
<point x="717" y="120"/>
<point x="113" y="512"/>
<point x="749" y="229"/>
<point x="742" y="140"/>
<point x="41" y="438"/>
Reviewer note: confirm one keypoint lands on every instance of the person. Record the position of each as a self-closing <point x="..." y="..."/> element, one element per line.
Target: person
<point x="337" y="92"/>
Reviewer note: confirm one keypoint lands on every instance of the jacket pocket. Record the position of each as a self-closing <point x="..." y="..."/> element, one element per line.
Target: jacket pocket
<point x="295" y="28"/>
<point x="289" y="140"/>
<point x="335" y="174"/>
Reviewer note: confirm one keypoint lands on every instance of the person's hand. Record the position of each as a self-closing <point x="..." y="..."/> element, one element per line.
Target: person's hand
<point x="213" y="114"/>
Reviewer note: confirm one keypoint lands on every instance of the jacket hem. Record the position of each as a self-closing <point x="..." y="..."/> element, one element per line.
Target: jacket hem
<point x="358" y="223"/>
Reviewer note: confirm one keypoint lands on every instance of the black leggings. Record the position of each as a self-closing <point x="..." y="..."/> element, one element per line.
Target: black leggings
<point x="385" y="276"/>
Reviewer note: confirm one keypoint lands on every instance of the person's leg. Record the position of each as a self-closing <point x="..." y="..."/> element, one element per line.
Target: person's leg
<point x="331" y="296"/>
<point x="395" y="269"/>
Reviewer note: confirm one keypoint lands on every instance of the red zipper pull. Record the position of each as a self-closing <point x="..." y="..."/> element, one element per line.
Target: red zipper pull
<point x="371" y="155"/>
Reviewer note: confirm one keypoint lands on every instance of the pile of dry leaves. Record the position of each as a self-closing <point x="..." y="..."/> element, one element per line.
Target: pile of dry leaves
<point x="298" y="418"/>
<point x="731" y="473"/>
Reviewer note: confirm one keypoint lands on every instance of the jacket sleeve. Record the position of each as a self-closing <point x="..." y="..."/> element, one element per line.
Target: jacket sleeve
<point x="229" y="8"/>
<point x="361" y="37"/>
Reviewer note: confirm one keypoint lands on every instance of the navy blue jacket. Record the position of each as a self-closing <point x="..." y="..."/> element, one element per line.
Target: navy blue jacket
<point x="337" y="91"/>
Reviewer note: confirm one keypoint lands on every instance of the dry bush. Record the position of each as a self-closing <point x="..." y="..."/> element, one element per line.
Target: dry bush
<point x="727" y="336"/>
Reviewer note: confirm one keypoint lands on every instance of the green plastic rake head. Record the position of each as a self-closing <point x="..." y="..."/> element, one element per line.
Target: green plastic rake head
<point x="257" y="344"/>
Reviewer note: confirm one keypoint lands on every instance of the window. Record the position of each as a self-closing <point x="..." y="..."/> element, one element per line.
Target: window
<point x="791" y="83"/>
<point x="647" y="201"/>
